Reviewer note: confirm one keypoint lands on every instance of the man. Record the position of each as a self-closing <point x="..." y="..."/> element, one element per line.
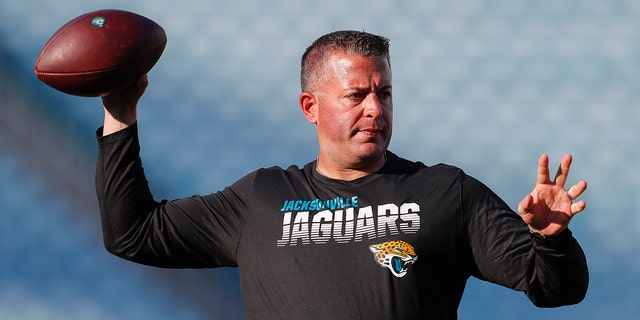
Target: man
<point x="359" y="233"/>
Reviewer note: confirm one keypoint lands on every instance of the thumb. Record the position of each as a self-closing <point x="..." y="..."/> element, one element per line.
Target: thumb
<point x="524" y="207"/>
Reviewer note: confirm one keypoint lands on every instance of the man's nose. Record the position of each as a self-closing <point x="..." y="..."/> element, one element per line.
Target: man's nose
<point x="372" y="107"/>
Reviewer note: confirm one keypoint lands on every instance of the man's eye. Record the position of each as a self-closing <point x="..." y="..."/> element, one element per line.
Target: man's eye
<point x="356" y="96"/>
<point x="384" y="95"/>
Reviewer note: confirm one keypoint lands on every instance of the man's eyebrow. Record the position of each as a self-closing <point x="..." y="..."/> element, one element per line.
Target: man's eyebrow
<point x="361" y="88"/>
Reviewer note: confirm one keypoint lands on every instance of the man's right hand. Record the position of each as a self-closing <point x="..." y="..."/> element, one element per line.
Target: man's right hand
<point x="120" y="107"/>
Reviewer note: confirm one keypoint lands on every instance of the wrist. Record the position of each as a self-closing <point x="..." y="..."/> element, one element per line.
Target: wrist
<point x="114" y="122"/>
<point x="541" y="237"/>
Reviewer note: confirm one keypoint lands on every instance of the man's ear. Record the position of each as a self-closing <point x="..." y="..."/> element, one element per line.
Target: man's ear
<point x="309" y="105"/>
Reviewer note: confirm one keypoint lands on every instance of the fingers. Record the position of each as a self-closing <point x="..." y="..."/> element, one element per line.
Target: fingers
<point x="544" y="177"/>
<point x="129" y="96"/>
<point x="577" y="207"/>
<point x="120" y="107"/>
<point x="563" y="170"/>
<point x="576" y="190"/>
<point x="543" y="170"/>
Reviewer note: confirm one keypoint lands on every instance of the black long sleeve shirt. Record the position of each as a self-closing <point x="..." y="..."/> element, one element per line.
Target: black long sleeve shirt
<point x="397" y="244"/>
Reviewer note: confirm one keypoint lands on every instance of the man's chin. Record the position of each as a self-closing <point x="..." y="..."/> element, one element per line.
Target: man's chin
<point x="372" y="152"/>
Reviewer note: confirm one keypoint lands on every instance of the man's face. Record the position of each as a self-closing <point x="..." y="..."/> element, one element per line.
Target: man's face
<point x="354" y="110"/>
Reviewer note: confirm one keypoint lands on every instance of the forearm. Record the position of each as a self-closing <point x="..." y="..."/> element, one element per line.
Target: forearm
<point x="123" y="194"/>
<point x="552" y="271"/>
<point x="561" y="273"/>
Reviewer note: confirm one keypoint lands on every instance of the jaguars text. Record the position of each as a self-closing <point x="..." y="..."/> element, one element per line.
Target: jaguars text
<point x="349" y="224"/>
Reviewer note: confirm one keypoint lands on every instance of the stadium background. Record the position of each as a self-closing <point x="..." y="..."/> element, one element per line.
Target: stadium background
<point x="486" y="85"/>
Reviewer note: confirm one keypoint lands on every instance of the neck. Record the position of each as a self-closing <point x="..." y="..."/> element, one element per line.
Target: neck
<point x="349" y="172"/>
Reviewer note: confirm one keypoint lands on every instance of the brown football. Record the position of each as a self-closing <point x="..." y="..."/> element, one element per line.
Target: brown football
<point x="100" y="52"/>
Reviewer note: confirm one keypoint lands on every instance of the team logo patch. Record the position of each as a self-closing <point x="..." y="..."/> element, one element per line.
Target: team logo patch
<point x="98" y="22"/>
<point x="396" y="256"/>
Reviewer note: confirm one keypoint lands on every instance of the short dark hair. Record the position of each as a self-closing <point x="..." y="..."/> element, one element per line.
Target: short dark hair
<point x="347" y="41"/>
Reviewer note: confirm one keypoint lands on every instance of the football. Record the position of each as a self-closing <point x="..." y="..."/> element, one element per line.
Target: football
<point x="100" y="52"/>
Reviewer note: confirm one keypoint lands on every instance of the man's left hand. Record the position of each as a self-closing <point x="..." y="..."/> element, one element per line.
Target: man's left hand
<point x="548" y="209"/>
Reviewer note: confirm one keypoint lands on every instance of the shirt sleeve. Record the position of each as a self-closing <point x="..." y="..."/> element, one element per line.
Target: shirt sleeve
<point x="551" y="271"/>
<point x="193" y="232"/>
